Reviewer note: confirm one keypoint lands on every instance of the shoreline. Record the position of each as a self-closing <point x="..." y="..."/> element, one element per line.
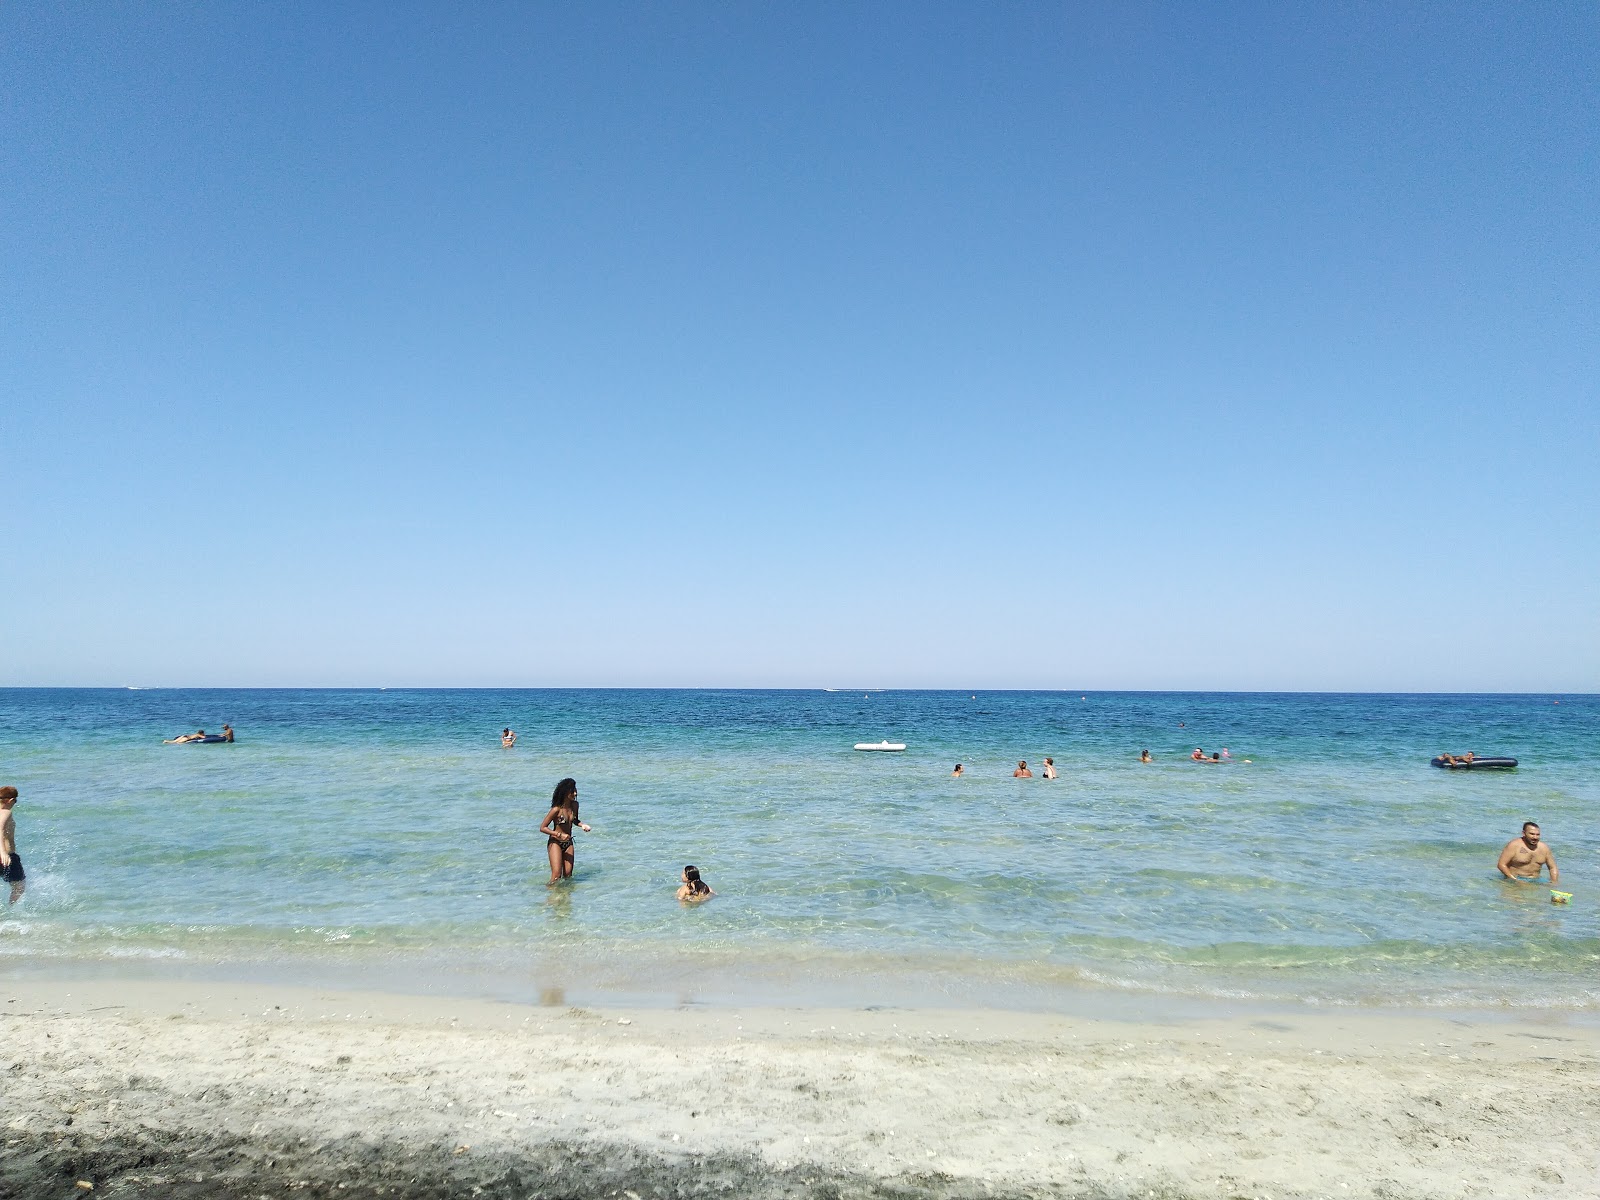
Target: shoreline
<point x="240" y="1090"/>
<point x="684" y="979"/>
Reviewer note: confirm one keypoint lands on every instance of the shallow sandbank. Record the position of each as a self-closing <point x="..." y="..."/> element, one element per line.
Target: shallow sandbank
<point x="211" y="1090"/>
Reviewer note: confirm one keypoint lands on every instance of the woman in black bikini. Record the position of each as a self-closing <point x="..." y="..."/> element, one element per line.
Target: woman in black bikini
<point x="557" y="826"/>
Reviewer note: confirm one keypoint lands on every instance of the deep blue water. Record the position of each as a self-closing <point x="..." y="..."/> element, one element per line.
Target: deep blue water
<point x="386" y="835"/>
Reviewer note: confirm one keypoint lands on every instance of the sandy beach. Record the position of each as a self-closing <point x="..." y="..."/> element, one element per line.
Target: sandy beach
<point x="222" y="1090"/>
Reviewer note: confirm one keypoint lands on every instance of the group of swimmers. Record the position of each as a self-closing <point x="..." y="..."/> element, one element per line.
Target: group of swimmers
<point x="1521" y="861"/>
<point x="1022" y="772"/>
<point x="562" y="819"/>
<point x="1049" y="771"/>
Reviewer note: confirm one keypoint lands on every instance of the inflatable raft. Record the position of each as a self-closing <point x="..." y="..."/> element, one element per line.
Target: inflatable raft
<point x="1477" y="764"/>
<point x="880" y="745"/>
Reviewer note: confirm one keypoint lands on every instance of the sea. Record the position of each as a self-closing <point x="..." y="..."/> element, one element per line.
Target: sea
<point x="385" y="839"/>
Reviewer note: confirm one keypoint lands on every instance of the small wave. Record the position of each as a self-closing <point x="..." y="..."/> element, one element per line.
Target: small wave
<point x="140" y="952"/>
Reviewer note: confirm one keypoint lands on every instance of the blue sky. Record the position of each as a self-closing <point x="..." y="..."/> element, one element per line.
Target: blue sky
<point x="1023" y="345"/>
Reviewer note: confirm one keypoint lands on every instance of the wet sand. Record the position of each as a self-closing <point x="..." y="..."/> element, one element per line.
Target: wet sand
<point x="209" y="1090"/>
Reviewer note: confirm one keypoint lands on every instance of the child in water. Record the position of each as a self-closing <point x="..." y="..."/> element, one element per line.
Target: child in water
<point x="694" y="889"/>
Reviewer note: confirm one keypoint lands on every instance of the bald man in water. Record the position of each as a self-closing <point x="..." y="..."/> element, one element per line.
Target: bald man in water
<point x="1523" y="856"/>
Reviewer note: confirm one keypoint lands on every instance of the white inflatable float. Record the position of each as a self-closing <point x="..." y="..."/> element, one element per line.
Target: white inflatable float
<point x="880" y="745"/>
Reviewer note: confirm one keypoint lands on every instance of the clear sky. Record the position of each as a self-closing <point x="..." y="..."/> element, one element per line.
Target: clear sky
<point x="884" y="344"/>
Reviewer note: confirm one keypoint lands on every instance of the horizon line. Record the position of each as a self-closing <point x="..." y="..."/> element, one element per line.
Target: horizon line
<point x="1082" y="691"/>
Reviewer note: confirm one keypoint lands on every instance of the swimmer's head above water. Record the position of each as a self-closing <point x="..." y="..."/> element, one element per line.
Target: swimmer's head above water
<point x="694" y="888"/>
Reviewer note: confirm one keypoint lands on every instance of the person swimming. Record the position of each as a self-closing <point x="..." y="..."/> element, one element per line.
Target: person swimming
<point x="958" y="772"/>
<point x="200" y="736"/>
<point x="694" y="889"/>
<point x="1049" y="768"/>
<point x="1144" y="756"/>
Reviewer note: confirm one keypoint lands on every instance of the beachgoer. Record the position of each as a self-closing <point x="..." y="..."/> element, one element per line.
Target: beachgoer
<point x="1215" y="757"/>
<point x="1144" y="756"/>
<point x="1225" y="753"/>
<point x="184" y="737"/>
<point x="227" y="733"/>
<point x="1199" y="755"/>
<point x="1049" y="768"/>
<point x="1523" y="856"/>
<point x="508" y="739"/>
<point x="1022" y="771"/>
<point x="10" y="861"/>
<point x="958" y="772"/>
<point x="694" y="889"/>
<point x="557" y="826"/>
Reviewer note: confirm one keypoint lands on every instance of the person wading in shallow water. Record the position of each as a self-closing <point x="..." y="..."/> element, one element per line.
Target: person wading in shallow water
<point x="558" y="825"/>
<point x="1524" y="856"/>
<point x="10" y="863"/>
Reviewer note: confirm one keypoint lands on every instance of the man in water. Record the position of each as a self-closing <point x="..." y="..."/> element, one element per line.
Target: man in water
<point x="1523" y="856"/>
<point x="227" y="733"/>
<point x="10" y="864"/>
<point x="1022" y="771"/>
<point x="958" y="772"/>
<point x="508" y="739"/>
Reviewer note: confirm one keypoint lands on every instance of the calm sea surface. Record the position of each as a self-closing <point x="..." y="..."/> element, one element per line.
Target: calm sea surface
<point x="384" y="838"/>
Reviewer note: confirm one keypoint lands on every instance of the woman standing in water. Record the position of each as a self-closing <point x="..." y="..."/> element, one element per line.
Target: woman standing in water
<point x="557" y="826"/>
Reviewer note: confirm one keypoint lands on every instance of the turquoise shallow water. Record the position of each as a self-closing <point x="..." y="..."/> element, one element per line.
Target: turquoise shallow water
<point x="386" y="838"/>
